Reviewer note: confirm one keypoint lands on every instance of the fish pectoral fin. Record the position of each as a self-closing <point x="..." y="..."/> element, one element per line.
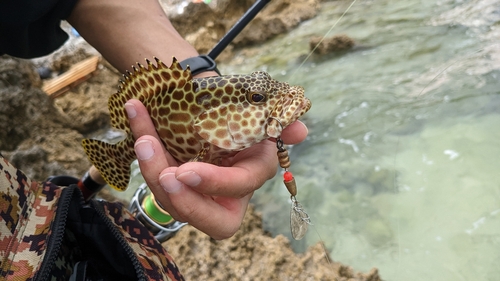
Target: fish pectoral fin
<point x="201" y="155"/>
<point x="216" y="133"/>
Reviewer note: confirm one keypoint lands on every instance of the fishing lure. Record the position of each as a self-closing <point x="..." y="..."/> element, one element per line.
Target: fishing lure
<point x="299" y="219"/>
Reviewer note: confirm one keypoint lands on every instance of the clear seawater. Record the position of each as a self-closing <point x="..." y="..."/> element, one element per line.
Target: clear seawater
<point x="400" y="170"/>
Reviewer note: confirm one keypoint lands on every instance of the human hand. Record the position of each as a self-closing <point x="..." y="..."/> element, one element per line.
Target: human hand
<point x="211" y="198"/>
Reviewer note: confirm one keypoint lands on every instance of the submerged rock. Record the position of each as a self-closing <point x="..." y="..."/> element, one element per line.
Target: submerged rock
<point x="336" y="43"/>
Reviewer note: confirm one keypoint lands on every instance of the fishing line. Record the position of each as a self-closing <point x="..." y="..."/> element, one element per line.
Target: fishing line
<point x="327" y="255"/>
<point x="446" y="68"/>
<point x="323" y="38"/>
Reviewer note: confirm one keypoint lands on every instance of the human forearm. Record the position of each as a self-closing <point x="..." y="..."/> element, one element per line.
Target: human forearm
<point x="128" y="31"/>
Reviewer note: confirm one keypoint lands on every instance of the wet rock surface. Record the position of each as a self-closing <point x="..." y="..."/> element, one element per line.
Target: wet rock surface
<point x="42" y="137"/>
<point x="252" y="254"/>
<point x="337" y="43"/>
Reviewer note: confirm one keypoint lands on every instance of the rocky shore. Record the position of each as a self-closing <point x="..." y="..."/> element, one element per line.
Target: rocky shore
<point x="42" y="136"/>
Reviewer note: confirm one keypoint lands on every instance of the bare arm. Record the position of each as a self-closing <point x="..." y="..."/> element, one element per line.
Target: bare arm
<point x="128" y="31"/>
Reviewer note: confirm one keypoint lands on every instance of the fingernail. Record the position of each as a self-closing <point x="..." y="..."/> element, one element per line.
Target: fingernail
<point x="169" y="183"/>
<point x="130" y="108"/>
<point x="144" y="150"/>
<point x="189" y="178"/>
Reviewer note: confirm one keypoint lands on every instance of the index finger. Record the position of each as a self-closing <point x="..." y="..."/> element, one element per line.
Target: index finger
<point x="142" y="125"/>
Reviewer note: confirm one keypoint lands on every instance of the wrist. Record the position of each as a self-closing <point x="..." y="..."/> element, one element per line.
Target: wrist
<point x="206" y="74"/>
<point x="200" y="66"/>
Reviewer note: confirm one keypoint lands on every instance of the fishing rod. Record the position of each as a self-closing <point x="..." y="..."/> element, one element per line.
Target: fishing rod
<point x="143" y="204"/>
<point x="204" y="63"/>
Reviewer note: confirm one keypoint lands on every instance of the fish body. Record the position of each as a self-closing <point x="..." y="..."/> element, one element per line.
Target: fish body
<point x="197" y="119"/>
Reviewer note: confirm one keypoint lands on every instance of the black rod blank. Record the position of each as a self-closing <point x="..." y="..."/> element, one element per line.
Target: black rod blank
<point x="237" y="28"/>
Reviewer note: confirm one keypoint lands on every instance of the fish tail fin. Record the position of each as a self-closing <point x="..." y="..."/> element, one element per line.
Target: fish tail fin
<point x="112" y="160"/>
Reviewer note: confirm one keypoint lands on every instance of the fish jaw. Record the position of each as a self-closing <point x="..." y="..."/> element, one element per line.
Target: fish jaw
<point x="289" y="109"/>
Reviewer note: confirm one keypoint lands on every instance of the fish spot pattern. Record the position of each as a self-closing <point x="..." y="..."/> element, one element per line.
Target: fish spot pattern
<point x="197" y="119"/>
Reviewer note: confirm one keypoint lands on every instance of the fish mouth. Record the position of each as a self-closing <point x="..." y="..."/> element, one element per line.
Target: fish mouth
<point x="301" y="110"/>
<point x="303" y="107"/>
<point x="276" y="124"/>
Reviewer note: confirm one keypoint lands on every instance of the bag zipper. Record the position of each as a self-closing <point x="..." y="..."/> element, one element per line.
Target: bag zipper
<point x="56" y="238"/>
<point x="118" y="235"/>
<point x="58" y="229"/>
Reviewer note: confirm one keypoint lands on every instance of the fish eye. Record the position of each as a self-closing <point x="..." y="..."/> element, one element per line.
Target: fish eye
<point x="256" y="97"/>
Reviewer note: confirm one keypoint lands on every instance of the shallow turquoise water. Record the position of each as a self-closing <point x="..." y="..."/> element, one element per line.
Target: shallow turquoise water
<point x="400" y="169"/>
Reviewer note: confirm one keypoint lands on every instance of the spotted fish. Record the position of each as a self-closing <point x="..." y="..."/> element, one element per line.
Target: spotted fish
<point x="197" y="119"/>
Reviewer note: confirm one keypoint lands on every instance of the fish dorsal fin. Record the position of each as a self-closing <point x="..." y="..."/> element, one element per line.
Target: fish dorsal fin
<point x="144" y="84"/>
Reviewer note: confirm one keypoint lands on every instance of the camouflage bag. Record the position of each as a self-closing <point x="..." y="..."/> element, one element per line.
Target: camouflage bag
<point x="48" y="232"/>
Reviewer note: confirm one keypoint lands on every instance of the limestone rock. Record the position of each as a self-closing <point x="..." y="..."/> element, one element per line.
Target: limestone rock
<point x="336" y="43"/>
<point x="252" y="254"/>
